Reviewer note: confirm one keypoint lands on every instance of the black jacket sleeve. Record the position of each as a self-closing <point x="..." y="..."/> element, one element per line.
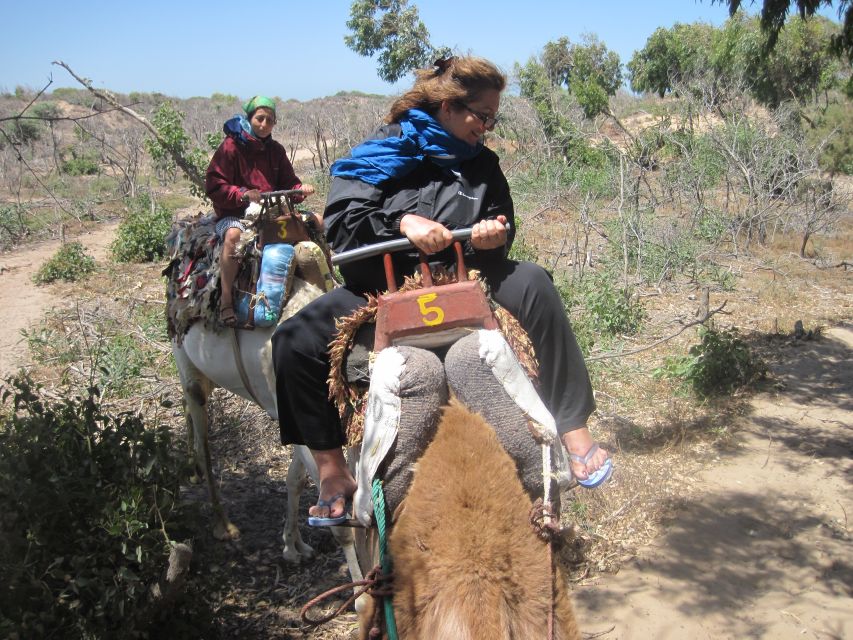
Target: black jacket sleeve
<point x="498" y="201"/>
<point x="355" y="215"/>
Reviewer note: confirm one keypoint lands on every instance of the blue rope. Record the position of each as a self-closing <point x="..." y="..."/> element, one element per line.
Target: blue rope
<point x="384" y="557"/>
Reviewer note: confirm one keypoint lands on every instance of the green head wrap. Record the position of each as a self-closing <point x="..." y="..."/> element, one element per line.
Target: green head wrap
<point x="258" y="101"/>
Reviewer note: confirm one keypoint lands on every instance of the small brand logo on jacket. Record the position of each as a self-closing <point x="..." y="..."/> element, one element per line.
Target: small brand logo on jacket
<point x="465" y="195"/>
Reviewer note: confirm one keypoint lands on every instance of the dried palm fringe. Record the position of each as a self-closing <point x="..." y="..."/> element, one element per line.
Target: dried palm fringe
<point x="351" y="399"/>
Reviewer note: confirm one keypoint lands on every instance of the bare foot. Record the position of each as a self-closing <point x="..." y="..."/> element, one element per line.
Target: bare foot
<point x="336" y="484"/>
<point x="579" y="442"/>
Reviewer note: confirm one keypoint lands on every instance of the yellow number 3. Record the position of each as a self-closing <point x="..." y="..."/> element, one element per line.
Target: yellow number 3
<point x="282" y="233"/>
<point x="436" y="312"/>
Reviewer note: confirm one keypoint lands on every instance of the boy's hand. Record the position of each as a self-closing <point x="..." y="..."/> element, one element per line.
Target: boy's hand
<point x="252" y="195"/>
<point x="306" y="189"/>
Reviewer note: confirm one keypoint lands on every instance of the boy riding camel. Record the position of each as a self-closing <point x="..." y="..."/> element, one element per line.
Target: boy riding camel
<point x="247" y="163"/>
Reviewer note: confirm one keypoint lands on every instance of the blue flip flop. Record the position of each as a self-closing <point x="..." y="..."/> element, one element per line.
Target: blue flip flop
<point x="599" y="476"/>
<point x="316" y="521"/>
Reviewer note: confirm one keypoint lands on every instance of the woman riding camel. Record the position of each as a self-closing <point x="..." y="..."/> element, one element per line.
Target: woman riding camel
<point x="421" y="175"/>
<point x="247" y="163"/>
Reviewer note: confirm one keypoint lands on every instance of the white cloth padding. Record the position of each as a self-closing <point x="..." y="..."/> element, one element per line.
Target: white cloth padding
<point x="381" y="424"/>
<point x="496" y="353"/>
<point x="252" y="211"/>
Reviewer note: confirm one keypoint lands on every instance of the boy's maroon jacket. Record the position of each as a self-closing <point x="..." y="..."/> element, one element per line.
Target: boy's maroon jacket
<point x="237" y="167"/>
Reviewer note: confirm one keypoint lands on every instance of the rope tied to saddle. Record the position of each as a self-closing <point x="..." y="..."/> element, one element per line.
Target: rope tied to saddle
<point x="384" y="604"/>
<point x="379" y="582"/>
<point x="256" y="299"/>
<point x="546" y="525"/>
<point x="545" y="522"/>
<point x="376" y="584"/>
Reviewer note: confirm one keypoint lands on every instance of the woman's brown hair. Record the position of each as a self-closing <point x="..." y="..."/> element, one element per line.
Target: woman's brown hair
<point x="458" y="79"/>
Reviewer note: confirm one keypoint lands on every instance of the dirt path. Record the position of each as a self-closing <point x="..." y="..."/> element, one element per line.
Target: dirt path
<point x="22" y="303"/>
<point x="763" y="550"/>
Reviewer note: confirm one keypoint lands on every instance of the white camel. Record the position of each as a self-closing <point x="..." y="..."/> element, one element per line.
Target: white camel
<point x="207" y="359"/>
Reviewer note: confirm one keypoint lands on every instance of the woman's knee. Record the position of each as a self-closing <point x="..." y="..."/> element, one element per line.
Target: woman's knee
<point x="524" y="286"/>
<point x="283" y="342"/>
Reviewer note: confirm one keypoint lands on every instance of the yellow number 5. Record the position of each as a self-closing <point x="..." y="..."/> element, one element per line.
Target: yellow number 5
<point x="436" y="312"/>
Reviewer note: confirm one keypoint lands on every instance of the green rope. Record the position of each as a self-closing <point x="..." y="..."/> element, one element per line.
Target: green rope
<point x="384" y="557"/>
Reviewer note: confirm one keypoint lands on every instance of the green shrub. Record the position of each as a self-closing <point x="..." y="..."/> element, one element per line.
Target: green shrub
<point x="614" y="310"/>
<point x="26" y="131"/>
<point x="591" y="172"/>
<point x="582" y="325"/>
<point x="712" y="225"/>
<point x="81" y="163"/>
<point x="721" y="363"/>
<point x="695" y="160"/>
<point x="522" y="251"/>
<point x="835" y="126"/>
<point x="80" y="97"/>
<point x="70" y="263"/>
<point x="88" y="508"/>
<point x="226" y="98"/>
<point x="600" y="309"/>
<point x="14" y="223"/>
<point x="46" y="110"/>
<point x="120" y="363"/>
<point x="49" y="344"/>
<point x="114" y="356"/>
<point x="141" y="234"/>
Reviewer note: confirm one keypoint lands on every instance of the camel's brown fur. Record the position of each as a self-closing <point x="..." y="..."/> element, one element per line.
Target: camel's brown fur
<point x="467" y="563"/>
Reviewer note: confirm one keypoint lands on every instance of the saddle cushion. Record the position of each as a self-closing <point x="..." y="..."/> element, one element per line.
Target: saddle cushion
<point x="192" y="275"/>
<point x="350" y="351"/>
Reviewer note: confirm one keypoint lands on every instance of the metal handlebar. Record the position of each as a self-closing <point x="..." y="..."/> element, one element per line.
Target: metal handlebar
<point x="278" y="194"/>
<point x="270" y="199"/>
<point x="389" y="246"/>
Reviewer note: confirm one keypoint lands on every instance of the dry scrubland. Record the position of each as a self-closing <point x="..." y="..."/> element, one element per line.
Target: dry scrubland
<point x="643" y="243"/>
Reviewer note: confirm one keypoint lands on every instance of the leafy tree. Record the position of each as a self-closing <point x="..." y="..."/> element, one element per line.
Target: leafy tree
<point x="566" y="84"/>
<point x="774" y="14"/>
<point x="587" y="70"/>
<point x="169" y="123"/>
<point x="553" y="107"/>
<point x="672" y="57"/>
<point x="833" y="134"/>
<point x="688" y="55"/>
<point x="394" y="29"/>
<point x="173" y="143"/>
<point x="801" y="67"/>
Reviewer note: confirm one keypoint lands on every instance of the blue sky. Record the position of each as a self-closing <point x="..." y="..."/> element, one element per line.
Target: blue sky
<point x="291" y="49"/>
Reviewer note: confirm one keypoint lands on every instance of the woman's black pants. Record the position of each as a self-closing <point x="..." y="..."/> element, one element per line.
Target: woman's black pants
<point x="301" y="355"/>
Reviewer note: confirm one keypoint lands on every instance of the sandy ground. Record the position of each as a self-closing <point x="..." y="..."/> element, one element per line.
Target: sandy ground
<point x="761" y="550"/>
<point x="22" y="303"/>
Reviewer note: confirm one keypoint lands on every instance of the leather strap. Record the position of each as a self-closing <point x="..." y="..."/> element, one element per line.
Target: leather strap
<point x="238" y="356"/>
